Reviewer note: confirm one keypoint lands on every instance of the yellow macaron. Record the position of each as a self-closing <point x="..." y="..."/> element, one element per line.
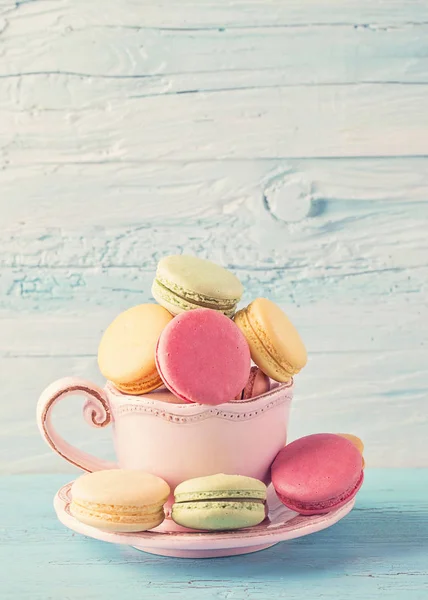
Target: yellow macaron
<point x="119" y="500"/>
<point x="275" y="345"/>
<point x="126" y="354"/>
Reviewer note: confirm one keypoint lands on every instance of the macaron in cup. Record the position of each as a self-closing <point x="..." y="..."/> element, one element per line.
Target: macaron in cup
<point x="203" y="357"/>
<point x="184" y="282"/>
<point x="126" y="354"/>
<point x="258" y="383"/>
<point x="275" y="344"/>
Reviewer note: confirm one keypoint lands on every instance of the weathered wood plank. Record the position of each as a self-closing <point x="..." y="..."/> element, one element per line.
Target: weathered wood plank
<point x="362" y="120"/>
<point x="60" y="194"/>
<point x="191" y="14"/>
<point x="220" y="212"/>
<point x="350" y="250"/>
<point x="166" y="61"/>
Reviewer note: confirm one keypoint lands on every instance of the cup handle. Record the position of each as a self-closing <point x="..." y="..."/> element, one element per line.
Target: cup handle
<point x="96" y="412"/>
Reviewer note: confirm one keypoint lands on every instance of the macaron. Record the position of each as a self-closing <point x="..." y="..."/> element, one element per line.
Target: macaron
<point x="258" y="383"/>
<point x="317" y="473"/>
<point x="219" y="502"/>
<point x="203" y="357"/>
<point x="186" y="282"/>
<point x="126" y="354"/>
<point x="119" y="500"/>
<point x="357" y="443"/>
<point x="275" y="345"/>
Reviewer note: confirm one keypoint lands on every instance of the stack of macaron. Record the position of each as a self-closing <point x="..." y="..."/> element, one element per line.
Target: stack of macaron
<point x="195" y="344"/>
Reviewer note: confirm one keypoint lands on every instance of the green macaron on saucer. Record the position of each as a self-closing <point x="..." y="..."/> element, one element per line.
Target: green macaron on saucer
<point x="219" y="502"/>
<point x="185" y="282"/>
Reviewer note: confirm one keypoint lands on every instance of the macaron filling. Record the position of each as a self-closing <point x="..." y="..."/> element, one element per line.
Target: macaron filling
<point x="226" y="504"/>
<point x="118" y="514"/>
<point x="174" y="294"/>
<point x="236" y="495"/>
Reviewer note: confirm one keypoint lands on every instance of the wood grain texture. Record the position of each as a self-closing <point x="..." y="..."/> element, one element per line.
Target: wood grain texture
<point x="379" y="550"/>
<point x="244" y="123"/>
<point x="286" y="140"/>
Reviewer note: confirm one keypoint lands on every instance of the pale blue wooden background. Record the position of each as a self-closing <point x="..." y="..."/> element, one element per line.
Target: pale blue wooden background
<point x="285" y="139"/>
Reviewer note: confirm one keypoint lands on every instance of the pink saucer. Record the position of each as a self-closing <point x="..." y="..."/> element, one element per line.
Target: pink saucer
<point x="280" y="525"/>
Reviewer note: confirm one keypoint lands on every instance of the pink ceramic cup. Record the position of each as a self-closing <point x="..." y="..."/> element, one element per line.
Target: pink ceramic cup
<point x="175" y="441"/>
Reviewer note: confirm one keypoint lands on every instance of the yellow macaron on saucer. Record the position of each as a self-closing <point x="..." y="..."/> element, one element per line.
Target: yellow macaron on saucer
<point x="280" y="525"/>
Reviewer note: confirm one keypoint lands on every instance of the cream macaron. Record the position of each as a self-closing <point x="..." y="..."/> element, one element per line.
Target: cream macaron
<point x="275" y="344"/>
<point x="126" y="354"/>
<point x="119" y="500"/>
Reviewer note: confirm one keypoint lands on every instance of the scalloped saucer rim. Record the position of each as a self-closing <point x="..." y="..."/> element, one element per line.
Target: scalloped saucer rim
<point x="282" y="524"/>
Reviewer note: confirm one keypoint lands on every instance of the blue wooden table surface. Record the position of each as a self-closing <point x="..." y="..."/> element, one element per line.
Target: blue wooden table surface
<point x="379" y="550"/>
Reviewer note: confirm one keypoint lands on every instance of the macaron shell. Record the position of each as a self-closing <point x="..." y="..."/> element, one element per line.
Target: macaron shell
<point x="358" y="443"/>
<point x="124" y="487"/>
<point x="221" y="486"/>
<point x="354" y="440"/>
<point x="114" y="518"/>
<point x="259" y="354"/>
<point x="317" y="473"/>
<point x="218" y="516"/>
<point x="200" y="279"/>
<point x="203" y="357"/>
<point x="177" y="303"/>
<point x="141" y="386"/>
<point x="119" y="500"/>
<point x="126" y="354"/>
<point x="275" y="344"/>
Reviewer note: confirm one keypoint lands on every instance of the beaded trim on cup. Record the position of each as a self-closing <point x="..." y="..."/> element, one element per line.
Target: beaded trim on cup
<point x="204" y="413"/>
<point x="207" y="414"/>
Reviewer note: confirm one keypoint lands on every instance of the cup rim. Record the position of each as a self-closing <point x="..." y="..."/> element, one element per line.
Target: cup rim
<point x="141" y="401"/>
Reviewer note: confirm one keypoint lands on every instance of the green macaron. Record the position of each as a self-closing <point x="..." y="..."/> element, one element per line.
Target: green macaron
<point x="219" y="502"/>
<point x="185" y="282"/>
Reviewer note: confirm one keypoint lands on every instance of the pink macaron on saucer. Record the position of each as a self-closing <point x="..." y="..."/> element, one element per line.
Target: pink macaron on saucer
<point x="317" y="473"/>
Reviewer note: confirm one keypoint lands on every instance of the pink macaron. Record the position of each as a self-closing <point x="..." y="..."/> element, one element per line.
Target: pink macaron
<point x="258" y="383"/>
<point x="203" y="357"/>
<point x="317" y="473"/>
